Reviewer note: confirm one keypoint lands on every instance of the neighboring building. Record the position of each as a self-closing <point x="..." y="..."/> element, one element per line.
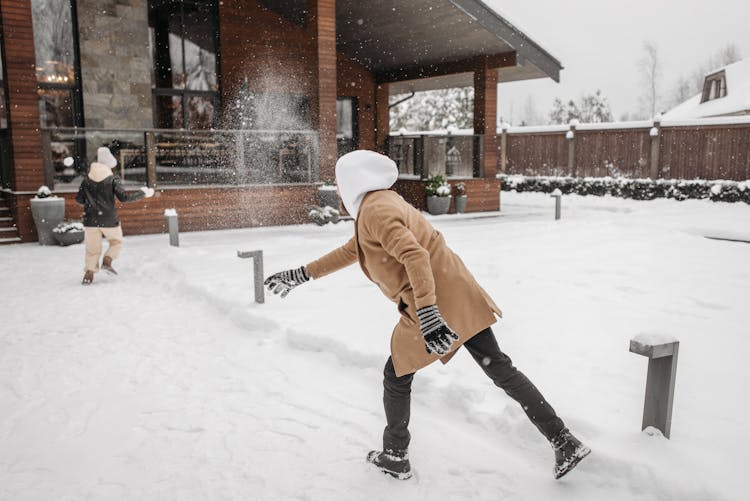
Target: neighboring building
<point x="726" y="92"/>
<point x="236" y="110"/>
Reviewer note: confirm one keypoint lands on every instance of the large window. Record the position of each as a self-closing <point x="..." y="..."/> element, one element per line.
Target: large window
<point x="184" y="40"/>
<point x="5" y="160"/>
<point x="57" y="69"/>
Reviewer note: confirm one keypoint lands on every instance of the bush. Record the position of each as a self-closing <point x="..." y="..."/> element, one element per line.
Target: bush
<point x="637" y="189"/>
<point x="437" y="186"/>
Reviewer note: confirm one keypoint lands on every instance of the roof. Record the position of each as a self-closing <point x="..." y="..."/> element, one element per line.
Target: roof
<point x="396" y="39"/>
<point x="737" y="100"/>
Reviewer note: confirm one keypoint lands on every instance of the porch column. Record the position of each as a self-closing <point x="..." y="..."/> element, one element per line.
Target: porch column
<point x="485" y="114"/>
<point x="382" y="116"/>
<point x="23" y="102"/>
<point x="323" y="24"/>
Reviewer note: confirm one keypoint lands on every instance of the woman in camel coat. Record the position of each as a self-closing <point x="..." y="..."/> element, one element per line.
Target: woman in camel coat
<point x="442" y="307"/>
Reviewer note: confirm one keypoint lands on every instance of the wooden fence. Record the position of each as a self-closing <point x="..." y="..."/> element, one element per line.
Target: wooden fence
<point x="697" y="149"/>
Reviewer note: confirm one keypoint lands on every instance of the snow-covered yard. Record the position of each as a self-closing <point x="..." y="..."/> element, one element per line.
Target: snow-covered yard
<point x="169" y="382"/>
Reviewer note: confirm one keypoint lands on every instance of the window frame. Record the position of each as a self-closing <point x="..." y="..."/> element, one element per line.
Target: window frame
<point x="714" y="86"/>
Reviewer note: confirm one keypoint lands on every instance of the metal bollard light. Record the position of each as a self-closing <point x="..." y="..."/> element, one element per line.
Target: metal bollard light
<point x="257" y="257"/>
<point x="662" y="370"/>
<point x="557" y="195"/>
<point x="174" y="227"/>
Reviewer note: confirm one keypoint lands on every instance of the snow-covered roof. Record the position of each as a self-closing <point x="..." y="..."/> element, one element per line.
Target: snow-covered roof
<point x="736" y="101"/>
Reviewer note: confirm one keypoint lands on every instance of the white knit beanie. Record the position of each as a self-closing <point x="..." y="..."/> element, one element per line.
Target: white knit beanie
<point x="104" y="156"/>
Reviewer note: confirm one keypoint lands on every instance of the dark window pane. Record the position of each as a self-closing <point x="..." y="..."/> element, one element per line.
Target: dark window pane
<point x="55" y="108"/>
<point x="53" y="41"/>
<point x="165" y="23"/>
<point x="169" y="112"/>
<point x="199" y="32"/>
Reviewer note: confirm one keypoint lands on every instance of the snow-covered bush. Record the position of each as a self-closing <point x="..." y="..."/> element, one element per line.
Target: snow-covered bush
<point x="324" y="215"/>
<point x="637" y="189"/>
<point x="43" y="192"/>
<point x="437" y="186"/>
<point x="69" y="227"/>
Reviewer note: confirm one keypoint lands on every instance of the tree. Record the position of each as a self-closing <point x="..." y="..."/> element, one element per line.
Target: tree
<point x="591" y="108"/>
<point x="437" y="109"/>
<point x="650" y="67"/>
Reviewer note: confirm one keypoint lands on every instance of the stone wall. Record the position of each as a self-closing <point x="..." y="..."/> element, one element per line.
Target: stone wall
<point x="116" y="63"/>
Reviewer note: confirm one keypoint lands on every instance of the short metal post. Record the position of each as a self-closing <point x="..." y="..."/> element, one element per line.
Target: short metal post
<point x="174" y="227"/>
<point x="557" y="195"/>
<point x="660" y="380"/>
<point x="257" y="257"/>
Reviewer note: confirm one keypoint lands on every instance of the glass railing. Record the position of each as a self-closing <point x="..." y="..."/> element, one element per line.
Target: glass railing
<point x="420" y="156"/>
<point x="167" y="157"/>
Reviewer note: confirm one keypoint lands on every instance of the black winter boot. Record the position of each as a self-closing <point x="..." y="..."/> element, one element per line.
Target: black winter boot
<point x="392" y="462"/>
<point x="107" y="265"/>
<point x="568" y="452"/>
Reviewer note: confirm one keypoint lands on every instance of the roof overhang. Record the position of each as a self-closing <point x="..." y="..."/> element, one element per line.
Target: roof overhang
<point x="404" y="43"/>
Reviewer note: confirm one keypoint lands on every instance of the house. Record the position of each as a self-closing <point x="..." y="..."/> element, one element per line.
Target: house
<point x="236" y="110"/>
<point x="726" y="92"/>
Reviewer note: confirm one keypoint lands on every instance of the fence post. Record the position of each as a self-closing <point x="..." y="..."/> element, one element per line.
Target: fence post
<point x="150" y="146"/>
<point x="662" y="371"/>
<point x="571" y="137"/>
<point x="503" y="147"/>
<point x="257" y="257"/>
<point x="654" y="133"/>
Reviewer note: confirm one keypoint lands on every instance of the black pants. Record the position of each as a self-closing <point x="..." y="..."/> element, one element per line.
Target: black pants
<point x="498" y="367"/>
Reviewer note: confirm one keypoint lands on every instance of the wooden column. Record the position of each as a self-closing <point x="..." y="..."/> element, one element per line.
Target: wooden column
<point x="382" y="117"/>
<point x="323" y="25"/>
<point x="485" y="115"/>
<point x="23" y="101"/>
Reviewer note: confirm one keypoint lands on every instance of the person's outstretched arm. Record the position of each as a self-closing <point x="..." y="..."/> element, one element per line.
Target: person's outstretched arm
<point x="124" y="196"/>
<point x="284" y="281"/>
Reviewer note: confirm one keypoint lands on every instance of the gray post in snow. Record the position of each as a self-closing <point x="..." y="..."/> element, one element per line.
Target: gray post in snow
<point x="257" y="257"/>
<point x="174" y="227"/>
<point x="662" y="371"/>
<point x="557" y="195"/>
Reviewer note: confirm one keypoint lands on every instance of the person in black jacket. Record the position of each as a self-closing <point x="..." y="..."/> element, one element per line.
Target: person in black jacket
<point x="97" y="194"/>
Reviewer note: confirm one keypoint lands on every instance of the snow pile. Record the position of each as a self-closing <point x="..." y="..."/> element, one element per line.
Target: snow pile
<point x="169" y="382"/>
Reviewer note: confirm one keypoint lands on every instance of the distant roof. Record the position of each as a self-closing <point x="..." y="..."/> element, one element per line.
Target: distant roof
<point x="395" y="38"/>
<point x="736" y="102"/>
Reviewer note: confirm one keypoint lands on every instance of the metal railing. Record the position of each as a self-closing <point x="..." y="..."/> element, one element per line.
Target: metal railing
<point x="178" y="157"/>
<point x="424" y="155"/>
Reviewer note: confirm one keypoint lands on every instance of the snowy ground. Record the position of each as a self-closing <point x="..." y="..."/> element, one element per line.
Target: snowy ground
<point x="168" y="382"/>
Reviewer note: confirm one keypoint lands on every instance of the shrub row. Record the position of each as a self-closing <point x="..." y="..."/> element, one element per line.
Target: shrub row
<point x="637" y="189"/>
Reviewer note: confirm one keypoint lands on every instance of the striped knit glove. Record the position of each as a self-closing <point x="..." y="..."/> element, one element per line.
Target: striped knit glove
<point x="438" y="337"/>
<point x="285" y="281"/>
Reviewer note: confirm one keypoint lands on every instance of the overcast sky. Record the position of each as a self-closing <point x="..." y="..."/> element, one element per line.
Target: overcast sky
<point x="599" y="43"/>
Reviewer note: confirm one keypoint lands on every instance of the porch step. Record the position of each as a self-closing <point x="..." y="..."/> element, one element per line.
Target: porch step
<point x="8" y="230"/>
<point x="11" y="240"/>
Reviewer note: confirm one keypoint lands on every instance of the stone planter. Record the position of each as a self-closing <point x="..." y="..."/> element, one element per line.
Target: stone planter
<point x="69" y="237"/>
<point x="47" y="213"/>
<point x="461" y="204"/>
<point x="329" y="197"/>
<point x="438" y="205"/>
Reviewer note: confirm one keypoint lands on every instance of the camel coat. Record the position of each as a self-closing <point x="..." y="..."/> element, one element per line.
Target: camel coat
<point x="400" y="251"/>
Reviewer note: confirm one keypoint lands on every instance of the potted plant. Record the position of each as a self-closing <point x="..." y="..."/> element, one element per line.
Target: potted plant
<point x="48" y="211"/>
<point x="69" y="232"/>
<point x="328" y="196"/>
<point x="438" y="193"/>
<point x="459" y="191"/>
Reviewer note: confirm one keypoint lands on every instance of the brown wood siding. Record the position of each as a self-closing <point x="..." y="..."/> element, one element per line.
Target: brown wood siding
<point x="483" y="194"/>
<point x="485" y="115"/>
<point x="697" y="152"/>
<point x="537" y="154"/>
<point x="23" y="109"/>
<point x="323" y="27"/>
<point x="354" y="80"/>
<point x="715" y="152"/>
<point x="200" y="209"/>
<point x="613" y="153"/>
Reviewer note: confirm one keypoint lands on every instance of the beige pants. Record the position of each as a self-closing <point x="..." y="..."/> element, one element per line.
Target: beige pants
<point x="93" y="241"/>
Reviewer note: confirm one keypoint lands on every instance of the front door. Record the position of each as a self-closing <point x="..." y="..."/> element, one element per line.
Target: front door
<point x="347" y="112"/>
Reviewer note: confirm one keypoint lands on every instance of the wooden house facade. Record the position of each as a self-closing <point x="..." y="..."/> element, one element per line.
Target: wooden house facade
<point x="235" y="111"/>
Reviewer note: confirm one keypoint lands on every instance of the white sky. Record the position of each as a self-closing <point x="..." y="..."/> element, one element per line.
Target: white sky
<point x="600" y="42"/>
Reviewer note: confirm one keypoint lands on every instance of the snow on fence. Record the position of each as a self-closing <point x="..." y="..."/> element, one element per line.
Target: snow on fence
<point x="717" y="148"/>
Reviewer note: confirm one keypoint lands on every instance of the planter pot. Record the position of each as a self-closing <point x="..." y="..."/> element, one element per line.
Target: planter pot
<point x="328" y="197"/>
<point x="48" y="213"/>
<point x="438" y="205"/>
<point x="461" y="204"/>
<point x="69" y="237"/>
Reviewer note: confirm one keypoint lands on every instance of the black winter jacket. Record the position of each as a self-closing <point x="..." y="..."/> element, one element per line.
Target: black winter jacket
<point x="98" y="199"/>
